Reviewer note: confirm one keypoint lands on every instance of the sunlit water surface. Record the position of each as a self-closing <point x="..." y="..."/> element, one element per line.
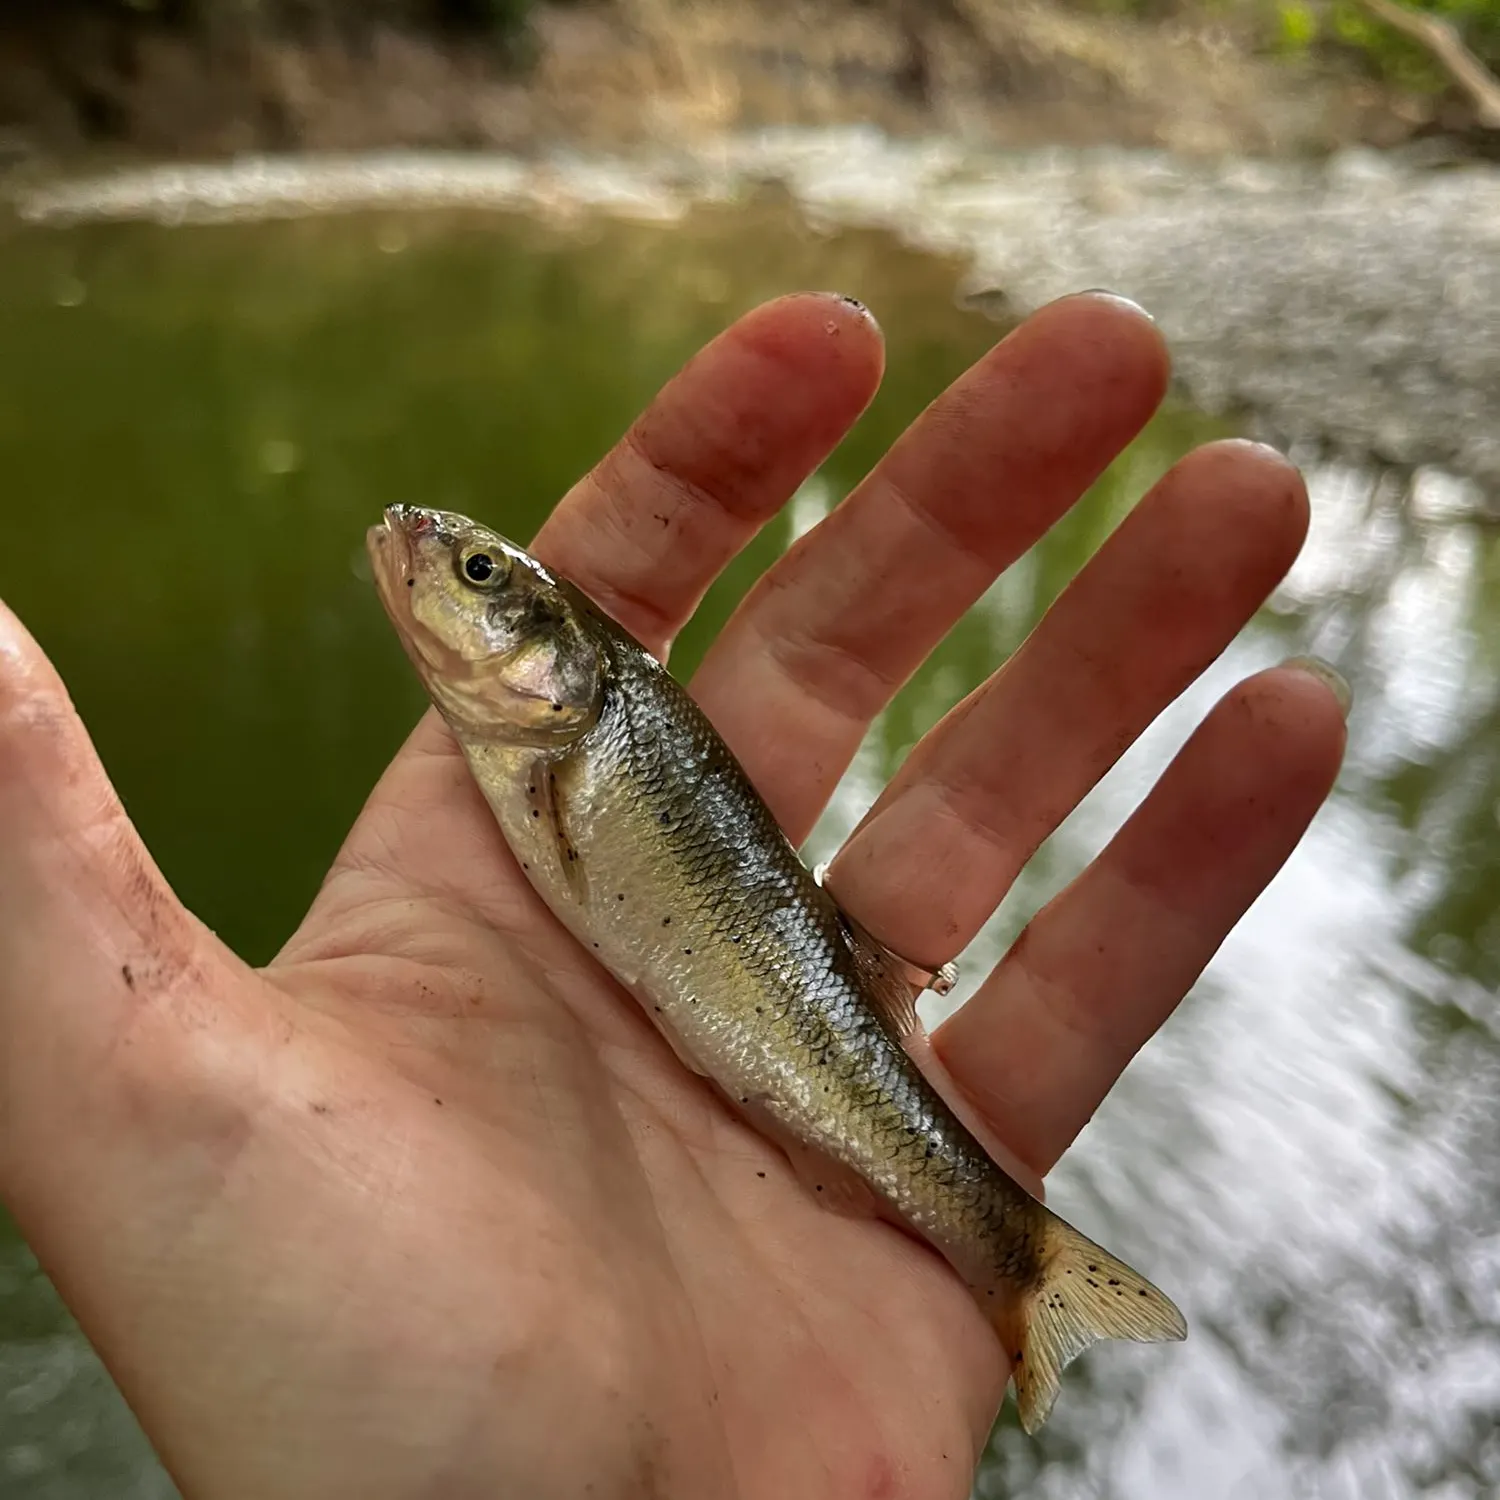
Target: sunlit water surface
<point x="196" y="424"/>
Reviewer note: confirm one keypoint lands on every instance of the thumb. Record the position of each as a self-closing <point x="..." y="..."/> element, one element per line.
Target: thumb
<point x="89" y="929"/>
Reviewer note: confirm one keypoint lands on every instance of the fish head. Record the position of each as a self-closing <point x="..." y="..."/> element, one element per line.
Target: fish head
<point x="500" y="644"/>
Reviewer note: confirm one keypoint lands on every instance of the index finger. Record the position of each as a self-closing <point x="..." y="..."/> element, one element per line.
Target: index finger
<point x="712" y="459"/>
<point x="719" y="452"/>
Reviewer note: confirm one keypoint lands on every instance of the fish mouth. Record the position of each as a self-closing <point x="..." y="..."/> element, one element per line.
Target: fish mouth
<point x="390" y="547"/>
<point x="414" y="519"/>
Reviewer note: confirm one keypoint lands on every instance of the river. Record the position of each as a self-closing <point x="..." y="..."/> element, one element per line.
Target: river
<point x="208" y="414"/>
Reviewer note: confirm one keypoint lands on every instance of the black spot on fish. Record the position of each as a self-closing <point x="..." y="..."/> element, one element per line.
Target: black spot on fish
<point x="666" y="921"/>
<point x="557" y="708"/>
<point x="436" y="1100"/>
<point x="666" y="817"/>
<point x="1091" y="1281"/>
<point x="524" y="865"/>
<point x="1114" y="1281"/>
<point x="760" y="1174"/>
<point x="820" y="1187"/>
<point x="319" y="1109"/>
<point x="619" y="895"/>
<point x="1143" y="1293"/>
<point x="535" y="813"/>
<point x="688" y="951"/>
<point x="128" y="975"/>
<point x="1094" y="1269"/>
<point x="411" y="583"/>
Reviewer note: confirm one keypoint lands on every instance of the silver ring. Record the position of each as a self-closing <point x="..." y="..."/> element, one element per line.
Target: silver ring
<point x="940" y="981"/>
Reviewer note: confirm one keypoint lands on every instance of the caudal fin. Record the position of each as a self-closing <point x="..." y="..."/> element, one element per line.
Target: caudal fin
<point x="1081" y="1295"/>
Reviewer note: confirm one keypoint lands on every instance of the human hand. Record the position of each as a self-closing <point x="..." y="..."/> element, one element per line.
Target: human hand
<point x="426" y="1207"/>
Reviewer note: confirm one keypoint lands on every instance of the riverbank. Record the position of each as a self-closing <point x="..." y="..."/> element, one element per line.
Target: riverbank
<point x="1344" y="307"/>
<point x="643" y="72"/>
<point x="219" y="412"/>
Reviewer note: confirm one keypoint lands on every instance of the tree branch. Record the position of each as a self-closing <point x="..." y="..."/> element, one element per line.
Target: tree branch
<point x="1441" y="39"/>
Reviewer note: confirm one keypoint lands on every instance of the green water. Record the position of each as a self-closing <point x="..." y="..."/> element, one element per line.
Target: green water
<point x="196" y="425"/>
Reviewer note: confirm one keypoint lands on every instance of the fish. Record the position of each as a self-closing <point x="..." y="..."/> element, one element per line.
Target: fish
<point x="643" y="834"/>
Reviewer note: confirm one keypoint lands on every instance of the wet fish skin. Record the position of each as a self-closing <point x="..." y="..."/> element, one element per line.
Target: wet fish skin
<point x="640" y="830"/>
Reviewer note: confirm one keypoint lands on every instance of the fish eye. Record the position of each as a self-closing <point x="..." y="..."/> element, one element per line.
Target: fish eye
<point x="482" y="568"/>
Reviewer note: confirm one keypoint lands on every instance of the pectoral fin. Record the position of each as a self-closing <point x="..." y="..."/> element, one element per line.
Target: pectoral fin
<point x="547" y="805"/>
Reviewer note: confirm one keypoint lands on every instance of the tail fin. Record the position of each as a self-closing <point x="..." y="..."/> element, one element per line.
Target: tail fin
<point x="1081" y="1295"/>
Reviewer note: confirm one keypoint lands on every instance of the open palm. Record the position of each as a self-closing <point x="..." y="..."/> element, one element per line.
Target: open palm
<point x="426" y="1208"/>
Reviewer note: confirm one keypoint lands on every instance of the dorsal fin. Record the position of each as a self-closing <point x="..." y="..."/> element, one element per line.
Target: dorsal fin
<point x="883" y="981"/>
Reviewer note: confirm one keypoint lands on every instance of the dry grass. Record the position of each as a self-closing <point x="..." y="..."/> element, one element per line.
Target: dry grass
<point x="623" y="71"/>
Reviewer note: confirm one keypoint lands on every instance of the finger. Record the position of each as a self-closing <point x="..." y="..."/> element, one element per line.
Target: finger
<point x="716" y="455"/>
<point x="832" y="631"/>
<point x="1162" y="598"/>
<point x="1104" y="964"/>
<point x="720" y="450"/>
<point x="89" y="930"/>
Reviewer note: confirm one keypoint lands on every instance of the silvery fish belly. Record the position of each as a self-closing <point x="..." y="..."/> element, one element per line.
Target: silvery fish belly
<point x="634" y="822"/>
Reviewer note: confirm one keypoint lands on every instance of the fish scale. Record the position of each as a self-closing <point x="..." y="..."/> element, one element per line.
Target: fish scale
<point x="640" y="830"/>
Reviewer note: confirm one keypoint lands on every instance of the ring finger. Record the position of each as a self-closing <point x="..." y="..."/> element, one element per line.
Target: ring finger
<point x="1161" y="599"/>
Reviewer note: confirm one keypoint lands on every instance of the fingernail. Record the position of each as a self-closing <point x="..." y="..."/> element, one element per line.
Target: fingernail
<point x="1254" y="445"/>
<point x="1104" y="291"/>
<point x="854" y="304"/>
<point x="1335" y="683"/>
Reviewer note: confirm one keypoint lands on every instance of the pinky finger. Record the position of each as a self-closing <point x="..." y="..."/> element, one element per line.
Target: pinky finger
<point x="1105" y="963"/>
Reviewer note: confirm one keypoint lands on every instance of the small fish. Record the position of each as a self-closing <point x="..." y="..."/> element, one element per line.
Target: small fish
<point x="640" y="830"/>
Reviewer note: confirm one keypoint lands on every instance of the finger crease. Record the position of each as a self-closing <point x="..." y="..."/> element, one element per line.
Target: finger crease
<point x="691" y="503"/>
<point x="844" y="682"/>
<point x="971" y="819"/>
<point x="647" y="621"/>
<point x="1058" y="1001"/>
<point x="963" y="548"/>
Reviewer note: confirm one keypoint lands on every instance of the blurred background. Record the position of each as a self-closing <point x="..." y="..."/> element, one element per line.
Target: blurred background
<point x="268" y="265"/>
